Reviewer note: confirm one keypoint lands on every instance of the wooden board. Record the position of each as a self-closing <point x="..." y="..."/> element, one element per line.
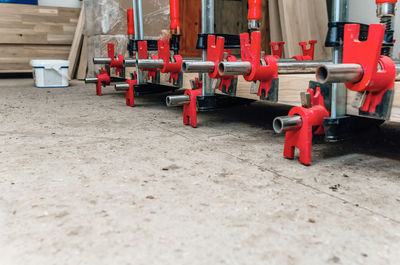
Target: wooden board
<point x="274" y="21"/>
<point x="191" y="26"/>
<point x="28" y="24"/>
<point x="17" y="56"/>
<point x="304" y="20"/>
<point x="83" y="60"/>
<point x="76" y="44"/>
<point x="290" y="87"/>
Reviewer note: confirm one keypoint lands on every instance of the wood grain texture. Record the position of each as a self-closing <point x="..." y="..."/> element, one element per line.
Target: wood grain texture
<point x="191" y="26"/>
<point x="76" y="44"/>
<point x="83" y="60"/>
<point x="274" y="21"/>
<point x="27" y="24"/>
<point x="304" y="20"/>
<point x="17" y="56"/>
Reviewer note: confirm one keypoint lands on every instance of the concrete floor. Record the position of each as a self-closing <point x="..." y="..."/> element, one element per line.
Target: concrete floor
<point x="87" y="180"/>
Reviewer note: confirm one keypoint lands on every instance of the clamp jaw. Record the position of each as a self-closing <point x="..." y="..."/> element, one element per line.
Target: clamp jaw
<point x="365" y="71"/>
<point x="162" y="62"/>
<point x="264" y="70"/>
<point x="277" y="48"/>
<point x="101" y="79"/>
<point x="308" y="53"/>
<point x="216" y="54"/>
<point x="300" y="125"/>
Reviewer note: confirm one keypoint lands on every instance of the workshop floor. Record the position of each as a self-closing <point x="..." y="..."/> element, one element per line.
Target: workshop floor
<point x="87" y="180"/>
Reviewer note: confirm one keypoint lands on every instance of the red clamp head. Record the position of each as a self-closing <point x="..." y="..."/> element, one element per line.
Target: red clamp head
<point x="118" y="64"/>
<point x="276" y="48"/>
<point x="190" y="110"/>
<point x="174" y="68"/>
<point x="367" y="54"/>
<point x="215" y="53"/>
<point x="102" y="79"/>
<point x="175" y="16"/>
<point x="308" y="53"/>
<point x="131" y="22"/>
<point x="251" y="52"/>
<point x="302" y="138"/>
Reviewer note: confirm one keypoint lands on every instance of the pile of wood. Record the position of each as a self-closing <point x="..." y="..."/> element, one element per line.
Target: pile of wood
<point x="34" y="32"/>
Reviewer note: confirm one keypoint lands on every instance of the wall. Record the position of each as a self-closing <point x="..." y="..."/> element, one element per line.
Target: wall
<point x="365" y="12"/>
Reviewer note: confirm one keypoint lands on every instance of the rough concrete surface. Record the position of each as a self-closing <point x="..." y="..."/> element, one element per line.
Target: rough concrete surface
<point x="87" y="180"/>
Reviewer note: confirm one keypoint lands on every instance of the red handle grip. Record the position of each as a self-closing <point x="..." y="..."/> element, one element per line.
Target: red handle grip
<point x="174" y="15"/>
<point x="385" y="1"/>
<point x="254" y="10"/>
<point x="131" y="21"/>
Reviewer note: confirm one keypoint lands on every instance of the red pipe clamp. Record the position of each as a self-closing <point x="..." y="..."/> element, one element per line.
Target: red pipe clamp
<point x="308" y="53"/>
<point x="215" y="53"/>
<point x="118" y="64"/>
<point x="277" y="48"/>
<point x="102" y="79"/>
<point x="375" y="83"/>
<point x="130" y="94"/>
<point x="267" y="73"/>
<point x="174" y="68"/>
<point x="190" y="110"/>
<point x="302" y="138"/>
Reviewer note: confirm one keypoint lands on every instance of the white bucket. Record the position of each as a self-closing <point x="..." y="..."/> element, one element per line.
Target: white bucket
<point x="50" y="73"/>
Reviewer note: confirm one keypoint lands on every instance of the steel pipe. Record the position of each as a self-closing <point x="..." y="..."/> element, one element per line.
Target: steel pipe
<point x="284" y="67"/>
<point x="101" y="60"/>
<point x="129" y="62"/>
<point x="198" y="67"/>
<point x="180" y="100"/>
<point x="339" y="73"/>
<point x="150" y="63"/>
<point x="397" y="72"/>
<point x="89" y="80"/>
<point x="234" y="68"/>
<point x="287" y="123"/>
<point x="301" y="67"/>
<point x="121" y="87"/>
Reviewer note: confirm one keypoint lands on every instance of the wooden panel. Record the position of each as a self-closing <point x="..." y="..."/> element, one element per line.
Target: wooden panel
<point x="274" y="21"/>
<point x="304" y="20"/>
<point x="76" y="44"/>
<point x="191" y="26"/>
<point x="17" y="57"/>
<point x="27" y="24"/>
<point x="83" y="60"/>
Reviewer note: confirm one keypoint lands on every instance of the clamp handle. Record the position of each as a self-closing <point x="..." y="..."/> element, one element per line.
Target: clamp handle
<point x="254" y="10"/>
<point x="174" y="16"/>
<point x="131" y="21"/>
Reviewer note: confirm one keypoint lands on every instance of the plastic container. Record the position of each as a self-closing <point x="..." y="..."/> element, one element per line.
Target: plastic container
<point x="50" y="73"/>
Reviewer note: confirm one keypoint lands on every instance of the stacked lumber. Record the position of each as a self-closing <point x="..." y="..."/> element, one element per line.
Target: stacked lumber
<point x="34" y="32"/>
